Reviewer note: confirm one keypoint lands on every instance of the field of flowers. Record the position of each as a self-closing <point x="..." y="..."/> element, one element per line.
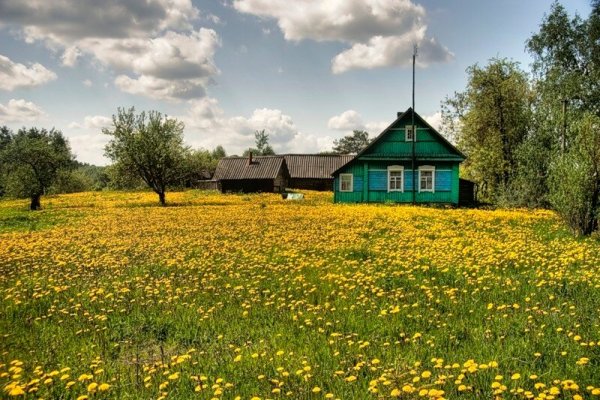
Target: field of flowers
<point x="105" y="295"/>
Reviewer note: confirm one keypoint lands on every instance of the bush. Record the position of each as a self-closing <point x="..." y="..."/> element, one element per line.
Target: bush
<point x="574" y="179"/>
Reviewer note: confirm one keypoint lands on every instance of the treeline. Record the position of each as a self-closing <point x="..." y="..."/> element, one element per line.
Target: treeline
<point x="534" y="140"/>
<point x="35" y="162"/>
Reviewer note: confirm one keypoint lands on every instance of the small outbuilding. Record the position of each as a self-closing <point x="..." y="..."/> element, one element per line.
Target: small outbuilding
<point x="252" y="174"/>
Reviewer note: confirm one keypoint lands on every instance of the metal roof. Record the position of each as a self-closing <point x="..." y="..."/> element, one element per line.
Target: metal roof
<point x="262" y="167"/>
<point x="315" y="166"/>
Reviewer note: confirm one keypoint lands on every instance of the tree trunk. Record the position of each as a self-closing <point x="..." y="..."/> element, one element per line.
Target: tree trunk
<point x="35" y="202"/>
<point x="161" y="199"/>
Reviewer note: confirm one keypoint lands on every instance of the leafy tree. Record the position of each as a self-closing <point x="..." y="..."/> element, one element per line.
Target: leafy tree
<point x="200" y="165"/>
<point x="33" y="159"/>
<point x="263" y="148"/>
<point x="147" y="145"/>
<point x="351" y="144"/>
<point x="218" y="153"/>
<point x="490" y="120"/>
<point x="5" y="135"/>
<point x="575" y="179"/>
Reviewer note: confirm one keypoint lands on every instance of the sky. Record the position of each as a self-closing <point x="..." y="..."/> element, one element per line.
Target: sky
<point x="306" y="71"/>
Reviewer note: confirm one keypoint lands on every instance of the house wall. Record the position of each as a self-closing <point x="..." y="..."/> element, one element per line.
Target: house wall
<point x="371" y="183"/>
<point x="247" y="185"/>
<point x="281" y="181"/>
<point x="311" y="184"/>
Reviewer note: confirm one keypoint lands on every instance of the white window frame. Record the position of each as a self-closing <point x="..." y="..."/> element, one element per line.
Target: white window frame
<point x="428" y="168"/>
<point x="407" y="130"/>
<point x="351" y="182"/>
<point x="395" y="168"/>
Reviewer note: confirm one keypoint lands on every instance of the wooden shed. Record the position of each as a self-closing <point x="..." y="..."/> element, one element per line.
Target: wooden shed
<point x="404" y="164"/>
<point x="313" y="171"/>
<point x="252" y="174"/>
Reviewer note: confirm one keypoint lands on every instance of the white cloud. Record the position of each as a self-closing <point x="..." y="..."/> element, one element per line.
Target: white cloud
<point x="87" y="83"/>
<point x="15" y="75"/>
<point x="96" y="122"/>
<point x="383" y="31"/>
<point x="346" y="121"/>
<point x="89" y="147"/>
<point x="435" y="120"/>
<point x="208" y="126"/>
<point x="20" y="111"/>
<point x="351" y="120"/>
<point x="151" y="44"/>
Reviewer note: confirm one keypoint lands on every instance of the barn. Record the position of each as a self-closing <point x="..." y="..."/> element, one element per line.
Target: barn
<point x="405" y="163"/>
<point x="276" y="173"/>
<point x="252" y="174"/>
<point x="313" y="171"/>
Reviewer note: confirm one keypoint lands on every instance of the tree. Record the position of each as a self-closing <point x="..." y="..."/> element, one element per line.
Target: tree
<point x="263" y="148"/>
<point x="566" y="68"/>
<point x="352" y="144"/>
<point x="148" y="145"/>
<point x="34" y="158"/>
<point x="490" y="120"/>
<point x="218" y="153"/>
<point x="5" y="137"/>
<point x="575" y="179"/>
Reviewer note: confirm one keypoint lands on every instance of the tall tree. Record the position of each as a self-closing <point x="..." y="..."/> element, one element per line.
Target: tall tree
<point x="5" y="137"/>
<point x="148" y="145"/>
<point x="33" y="159"/>
<point x="566" y="67"/>
<point x="490" y="120"/>
<point x="351" y="144"/>
<point x="263" y="148"/>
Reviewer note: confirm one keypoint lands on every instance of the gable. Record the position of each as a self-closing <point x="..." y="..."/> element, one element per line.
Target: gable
<point x="392" y="143"/>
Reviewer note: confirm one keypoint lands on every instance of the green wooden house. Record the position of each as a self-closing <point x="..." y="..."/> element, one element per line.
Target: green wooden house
<point x="383" y="171"/>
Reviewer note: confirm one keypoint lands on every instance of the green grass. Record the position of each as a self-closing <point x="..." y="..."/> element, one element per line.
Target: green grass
<point x="308" y="293"/>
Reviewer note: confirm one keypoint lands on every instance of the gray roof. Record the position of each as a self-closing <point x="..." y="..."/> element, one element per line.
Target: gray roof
<point x="262" y="167"/>
<point x="319" y="166"/>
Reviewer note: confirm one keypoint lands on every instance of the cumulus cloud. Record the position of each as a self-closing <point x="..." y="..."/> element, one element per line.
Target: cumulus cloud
<point x="150" y="43"/>
<point x="435" y="120"/>
<point x="92" y="122"/>
<point x="20" y="111"/>
<point x="380" y="33"/>
<point x="15" y="75"/>
<point x="89" y="147"/>
<point x="351" y="120"/>
<point x="346" y="121"/>
<point x="208" y="126"/>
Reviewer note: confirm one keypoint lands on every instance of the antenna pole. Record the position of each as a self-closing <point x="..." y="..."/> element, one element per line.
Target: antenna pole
<point x="414" y="186"/>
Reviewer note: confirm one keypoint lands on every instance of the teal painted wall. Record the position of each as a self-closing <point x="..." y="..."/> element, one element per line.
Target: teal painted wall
<point x="370" y="174"/>
<point x="374" y="189"/>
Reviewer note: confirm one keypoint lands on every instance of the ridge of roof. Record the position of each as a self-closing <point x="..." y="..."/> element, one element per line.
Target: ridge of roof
<point x="386" y="130"/>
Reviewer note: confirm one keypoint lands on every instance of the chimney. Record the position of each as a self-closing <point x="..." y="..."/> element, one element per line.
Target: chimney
<point x="398" y="114"/>
<point x="250" y="158"/>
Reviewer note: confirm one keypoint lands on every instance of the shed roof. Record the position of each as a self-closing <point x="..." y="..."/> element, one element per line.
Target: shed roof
<point x="262" y="167"/>
<point x="314" y="166"/>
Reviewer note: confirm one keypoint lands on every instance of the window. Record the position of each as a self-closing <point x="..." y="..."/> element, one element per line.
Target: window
<point x="426" y="179"/>
<point x="395" y="178"/>
<point x="410" y="133"/>
<point x="346" y="182"/>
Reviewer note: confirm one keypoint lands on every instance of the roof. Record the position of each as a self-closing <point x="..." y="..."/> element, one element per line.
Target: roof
<point x="386" y="130"/>
<point x="314" y="166"/>
<point x="262" y="167"/>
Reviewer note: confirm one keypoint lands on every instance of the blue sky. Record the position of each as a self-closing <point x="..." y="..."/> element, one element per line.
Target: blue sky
<point x="306" y="71"/>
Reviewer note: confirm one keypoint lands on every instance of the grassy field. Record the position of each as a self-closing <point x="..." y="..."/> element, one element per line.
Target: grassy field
<point x="105" y="295"/>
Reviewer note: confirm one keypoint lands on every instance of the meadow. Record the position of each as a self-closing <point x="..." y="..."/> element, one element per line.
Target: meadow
<point x="106" y="295"/>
